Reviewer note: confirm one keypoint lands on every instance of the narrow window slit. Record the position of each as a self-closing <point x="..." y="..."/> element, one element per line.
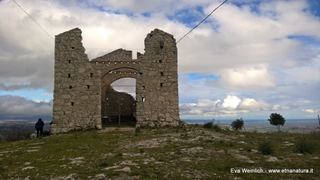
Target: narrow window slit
<point x="161" y="44"/>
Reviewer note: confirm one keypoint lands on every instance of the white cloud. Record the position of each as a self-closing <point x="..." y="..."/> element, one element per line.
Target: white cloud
<point x="247" y="78"/>
<point x="252" y="104"/>
<point x="231" y="102"/>
<point x="231" y="105"/>
<point x="312" y="111"/>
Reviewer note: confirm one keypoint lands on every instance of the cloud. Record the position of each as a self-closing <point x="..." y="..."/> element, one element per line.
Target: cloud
<point x="312" y="111"/>
<point x="231" y="102"/>
<point x="230" y="105"/>
<point x="247" y="78"/>
<point x="18" y="106"/>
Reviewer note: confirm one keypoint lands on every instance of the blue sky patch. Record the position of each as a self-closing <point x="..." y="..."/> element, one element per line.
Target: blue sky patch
<point x="314" y="7"/>
<point x="189" y="17"/>
<point x="32" y="94"/>
<point x="308" y="40"/>
<point x="253" y="4"/>
<point x="201" y="76"/>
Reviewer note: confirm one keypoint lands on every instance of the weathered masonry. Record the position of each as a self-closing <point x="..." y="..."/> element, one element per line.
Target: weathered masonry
<point x="81" y="86"/>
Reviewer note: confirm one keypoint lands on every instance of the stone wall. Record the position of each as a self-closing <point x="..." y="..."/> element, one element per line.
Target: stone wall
<point x="80" y="85"/>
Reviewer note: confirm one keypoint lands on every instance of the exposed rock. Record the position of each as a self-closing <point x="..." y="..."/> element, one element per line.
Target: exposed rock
<point x="287" y="143"/>
<point x="126" y="169"/>
<point x="27" y="168"/>
<point x="242" y="158"/>
<point x="192" y="150"/>
<point x="27" y="163"/>
<point x="272" y="159"/>
<point x="111" y="167"/>
<point x="32" y="150"/>
<point x="77" y="160"/>
<point x="100" y="176"/>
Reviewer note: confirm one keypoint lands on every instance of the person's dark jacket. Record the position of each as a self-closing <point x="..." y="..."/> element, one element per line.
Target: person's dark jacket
<point x="39" y="124"/>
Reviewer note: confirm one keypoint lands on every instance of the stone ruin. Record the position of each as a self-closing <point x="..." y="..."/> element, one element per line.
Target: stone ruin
<point x="84" y="98"/>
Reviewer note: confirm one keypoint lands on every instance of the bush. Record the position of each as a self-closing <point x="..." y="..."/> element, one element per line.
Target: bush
<point x="265" y="148"/>
<point x="276" y="120"/>
<point x="216" y="127"/>
<point x="237" y="124"/>
<point x="304" y="146"/>
<point x="208" y="125"/>
<point x="211" y="125"/>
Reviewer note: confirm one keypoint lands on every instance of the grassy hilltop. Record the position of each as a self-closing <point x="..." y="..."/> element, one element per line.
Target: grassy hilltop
<point x="192" y="152"/>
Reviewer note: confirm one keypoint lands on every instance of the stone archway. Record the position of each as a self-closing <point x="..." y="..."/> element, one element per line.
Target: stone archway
<point x="119" y="108"/>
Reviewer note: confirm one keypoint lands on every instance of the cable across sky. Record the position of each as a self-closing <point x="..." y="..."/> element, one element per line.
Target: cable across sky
<point x="201" y="21"/>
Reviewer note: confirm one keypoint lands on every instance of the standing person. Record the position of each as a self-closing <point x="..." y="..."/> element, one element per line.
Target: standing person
<point x="39" y="127"/>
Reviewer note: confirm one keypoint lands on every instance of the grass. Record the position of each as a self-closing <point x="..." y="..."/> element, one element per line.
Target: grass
<point x="187" y="153"/>
<point x="304" y="145"/>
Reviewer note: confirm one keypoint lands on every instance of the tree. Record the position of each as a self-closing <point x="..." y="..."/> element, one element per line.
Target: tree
<point x="276" y="120"/>
<point x="237" y="124"/>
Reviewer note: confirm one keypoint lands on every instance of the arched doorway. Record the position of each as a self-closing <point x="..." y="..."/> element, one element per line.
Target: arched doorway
<point x="119" y="106"/>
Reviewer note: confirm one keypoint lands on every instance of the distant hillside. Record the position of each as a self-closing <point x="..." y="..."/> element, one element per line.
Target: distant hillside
<point x="185" y="153"/>
<point x="12" y="130"/>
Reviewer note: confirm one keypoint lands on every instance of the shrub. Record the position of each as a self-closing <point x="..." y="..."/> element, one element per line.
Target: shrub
<point x="304" y="146"/>
<point x="237" y="124"/>
<point x="211" y="125"/>
<point x="208" y="125"/>
<point x="265" y="148"/>
<point x="216" y="127"/>
<point x="276" y="120"/>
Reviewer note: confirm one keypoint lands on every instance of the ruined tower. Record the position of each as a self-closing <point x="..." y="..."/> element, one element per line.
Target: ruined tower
<point x="81" y="86"/>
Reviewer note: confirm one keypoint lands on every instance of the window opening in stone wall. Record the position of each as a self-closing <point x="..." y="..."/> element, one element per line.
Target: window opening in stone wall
<point x="88" y="86"/>
<point x="143" y="99"/>
<point x="70" y="87"/>
<point x="72" y="103"/>
<point x="118" y="104"/>
<point x="161" y="84"/>
<point x="72" y="47"/>
<point x="161" y="73"/>
<point x="160" y="61"/>
<point x="161" y="44"/>
<point x="69" y="61"/>
<point x="91" y="74"/>
<point x="69" y="75"/>
<point x="143" y="87"/>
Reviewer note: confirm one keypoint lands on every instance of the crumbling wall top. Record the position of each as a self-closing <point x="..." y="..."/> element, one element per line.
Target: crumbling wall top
<point x="116" y="55"/>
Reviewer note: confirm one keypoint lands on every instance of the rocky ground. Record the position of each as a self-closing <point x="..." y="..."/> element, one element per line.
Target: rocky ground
<point x="191" y="152"/>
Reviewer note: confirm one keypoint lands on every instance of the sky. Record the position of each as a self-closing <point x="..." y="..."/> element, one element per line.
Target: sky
<point x="249" y="59"/>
